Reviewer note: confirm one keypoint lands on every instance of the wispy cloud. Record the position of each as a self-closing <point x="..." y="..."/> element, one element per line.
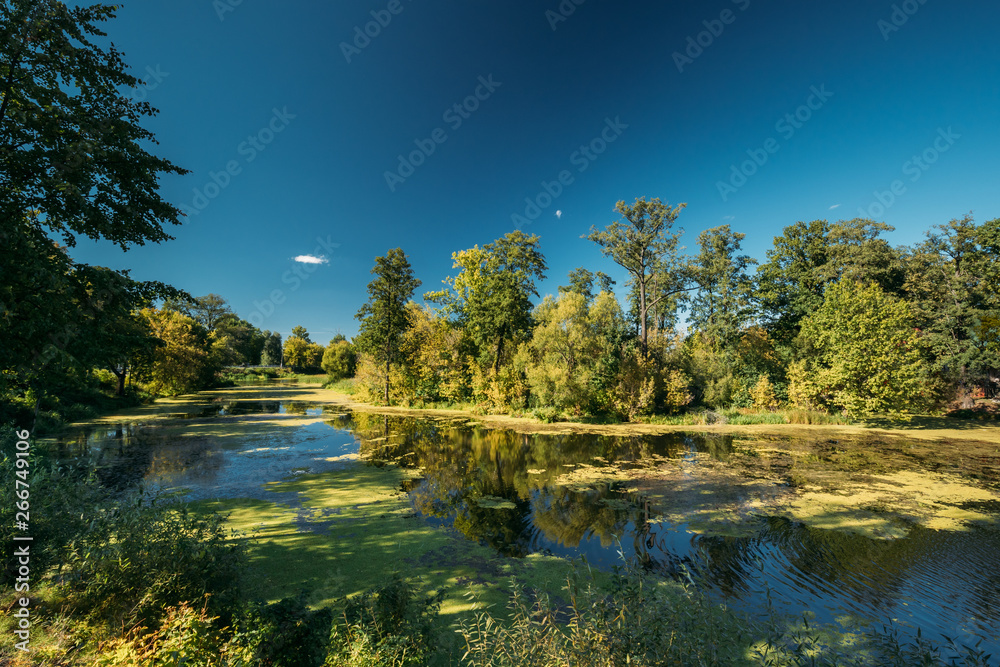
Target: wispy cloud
<point x="312" y="259"/>
<point x="558" y="214"/>
<point x="835" y="206"/>
<point x="729" y="217"/>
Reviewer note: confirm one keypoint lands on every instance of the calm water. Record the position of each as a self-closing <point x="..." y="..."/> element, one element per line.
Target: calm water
<point x="508" y="490"/>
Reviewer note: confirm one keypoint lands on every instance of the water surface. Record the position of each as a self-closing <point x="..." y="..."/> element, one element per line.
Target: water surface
<point x="741" y="518"/>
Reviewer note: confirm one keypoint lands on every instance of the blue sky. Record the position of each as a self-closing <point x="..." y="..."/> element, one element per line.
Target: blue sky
<point x="289" y="122"/>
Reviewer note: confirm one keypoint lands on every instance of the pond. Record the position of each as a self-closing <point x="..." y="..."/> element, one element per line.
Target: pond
<point x="870" y="528"/>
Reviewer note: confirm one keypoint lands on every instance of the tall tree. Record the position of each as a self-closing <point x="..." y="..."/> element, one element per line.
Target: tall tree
<point x="300" y="332"/>
<point x="271" y="354"/>
<point x="384" y="318"/>
<point x="73" y="161"/>
<point x="491" y="295"/>
<point x="72" y="151"/>
<point x="646" y="247"/>
<point x="952" y="282"/>
<point x="210" y="310"/>
<point x="720" y="305"/>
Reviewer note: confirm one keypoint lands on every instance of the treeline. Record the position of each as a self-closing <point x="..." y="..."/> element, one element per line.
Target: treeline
<point x="135" y="341"/>
<point x="835" y="319"/>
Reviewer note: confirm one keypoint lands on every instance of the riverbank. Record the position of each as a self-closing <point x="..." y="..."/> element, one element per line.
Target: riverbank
<point x="923" y="428"/>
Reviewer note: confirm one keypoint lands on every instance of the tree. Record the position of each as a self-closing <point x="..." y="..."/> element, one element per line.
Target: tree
<point x="384" y="318"/>
<point x="581" y="281"/>
<point x="339" y="359"/>
<point x="210" y="310"/>
<point x="952" y="283"/>
<point x="72" y="153"/>
<point x="271" y="354"/>
<point x="73" y="160"/>
<point x="314" y="355"/>
<point x="570" y="344"/>
<point x="296" y="352"/>
<point x="491" y="295"/>
<point x="244" y="341"/>
<point x="112" y="333"/>
<point x="646" y="247"/>
<point x="300" y="332"/>
<point x="809" y="256"/>
<point x="183" y="361"/>
<point x="721" y="303"/>
<point x="862" y="353"/>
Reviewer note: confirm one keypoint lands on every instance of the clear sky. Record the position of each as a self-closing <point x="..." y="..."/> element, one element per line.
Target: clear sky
<point x="756" y="114"/>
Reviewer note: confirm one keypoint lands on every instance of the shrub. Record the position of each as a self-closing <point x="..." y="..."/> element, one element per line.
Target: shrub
<point x="142" y="556"/>
<point x="284" y="634"/>
<point x="389" y="625"/>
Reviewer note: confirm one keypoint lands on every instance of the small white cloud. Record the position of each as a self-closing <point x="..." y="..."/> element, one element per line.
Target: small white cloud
<point x="558" y="214"/>
<point x="312" y="259"/>
<point x="835" y="206"/>
<point x="729" y="217"/>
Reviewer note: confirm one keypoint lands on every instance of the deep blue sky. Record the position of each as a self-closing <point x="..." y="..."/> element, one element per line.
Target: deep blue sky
<point x="218" y="77"/>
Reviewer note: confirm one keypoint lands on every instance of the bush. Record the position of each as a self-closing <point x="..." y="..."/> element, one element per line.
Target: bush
<point x="390" y="625"/>
<point x="283" y="634"/>
<point x="61" y="499"/>
<point x="141" y="556"/>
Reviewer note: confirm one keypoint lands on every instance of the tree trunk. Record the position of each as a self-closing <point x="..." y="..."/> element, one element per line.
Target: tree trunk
<point x="642" y="314"/>
<point x="387" y="380"/>
<point x="120" y="376"/>
<point x="496" y="362"/>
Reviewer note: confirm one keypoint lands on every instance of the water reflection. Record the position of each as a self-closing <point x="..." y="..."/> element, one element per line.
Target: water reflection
<point x="589" y="495"/>
<point x="942" y="581"/>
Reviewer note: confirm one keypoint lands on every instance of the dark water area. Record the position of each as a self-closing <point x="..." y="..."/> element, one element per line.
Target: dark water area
<point x="535" y="493"/>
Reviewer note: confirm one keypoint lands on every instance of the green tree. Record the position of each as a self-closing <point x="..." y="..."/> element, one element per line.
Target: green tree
<point x="300" y="332"/>
<point x="296" y="352"/>
<point x="809" y="256"/>
<point x="244" y="341"/>
<point x="720" y="305"/>
<point x="339" y="359"/>
<point x="210" y="310"/>
<point x="570" y="343"/>
<point x="271" y="353"/>
<point x="952" y="282"/>
<point x="385" y="318"/>
<point x="314" y="355"/>
<point x="646" y="247"/>
<point x="183" y="361"/>
<point x="438" y="357"/>
<point x="861" y="352"/>
<point x="112" y="334"/>
<point x="72" y="152"/>
<point x="491" y="295"/>
<point x="581" y="281"/>
<point x="73" y="161"/>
